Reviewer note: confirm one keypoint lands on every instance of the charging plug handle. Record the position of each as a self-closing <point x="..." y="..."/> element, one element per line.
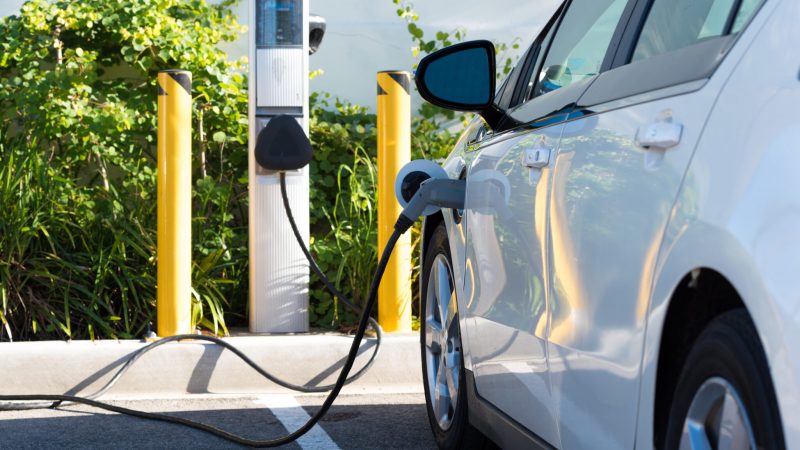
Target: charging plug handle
<point x="442" y="193"/>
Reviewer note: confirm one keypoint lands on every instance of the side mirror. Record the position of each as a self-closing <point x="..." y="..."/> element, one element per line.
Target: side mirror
<point x="316" y="31"/>
<point x="283" y="145"/>
<point x="461" y="77"/>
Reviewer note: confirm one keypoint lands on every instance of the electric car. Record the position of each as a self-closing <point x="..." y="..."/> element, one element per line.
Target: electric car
<point x="625" y="272"/>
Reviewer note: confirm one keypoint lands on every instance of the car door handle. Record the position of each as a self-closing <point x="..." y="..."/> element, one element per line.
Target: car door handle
<point x="659" y="135"/>
<point x="536" y="158"/>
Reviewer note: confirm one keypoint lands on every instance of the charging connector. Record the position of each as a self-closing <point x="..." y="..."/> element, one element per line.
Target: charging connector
<point x="440" y="193"/>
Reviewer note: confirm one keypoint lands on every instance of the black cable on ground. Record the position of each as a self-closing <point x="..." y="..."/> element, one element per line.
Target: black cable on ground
<point x="308" y="389"/>
<point x="343" y="379"/>
<point x="340" y="382"/>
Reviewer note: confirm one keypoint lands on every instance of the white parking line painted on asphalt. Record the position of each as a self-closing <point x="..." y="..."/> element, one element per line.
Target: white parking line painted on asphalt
<point x="293" y="416"/>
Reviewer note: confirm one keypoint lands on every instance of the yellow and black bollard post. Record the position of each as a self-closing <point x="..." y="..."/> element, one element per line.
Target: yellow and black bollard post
<point x="174" y="302"/>
<point x="394" y="151"/>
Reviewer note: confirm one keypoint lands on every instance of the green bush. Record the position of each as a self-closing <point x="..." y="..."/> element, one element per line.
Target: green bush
<point x="78" y="160"/>
<point x="343" y="191"/>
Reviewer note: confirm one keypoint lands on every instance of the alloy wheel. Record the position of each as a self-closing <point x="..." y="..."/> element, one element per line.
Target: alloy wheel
<point x="717" y="419"/>
<point x="442" y="342"/>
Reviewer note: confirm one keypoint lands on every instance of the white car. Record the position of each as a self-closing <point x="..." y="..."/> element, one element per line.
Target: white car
<point x="626" y="270"/>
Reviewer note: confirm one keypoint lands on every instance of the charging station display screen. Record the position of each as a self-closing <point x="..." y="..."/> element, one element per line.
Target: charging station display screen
<point x="279" y="23"/>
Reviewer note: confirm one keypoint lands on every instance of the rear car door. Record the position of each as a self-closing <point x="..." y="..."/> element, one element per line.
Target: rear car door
<point x="620" y="163"/>
<point x="508" y="186"/>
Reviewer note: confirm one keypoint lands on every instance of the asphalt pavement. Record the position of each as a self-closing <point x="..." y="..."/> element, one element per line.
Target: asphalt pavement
<point x="360" y="420"/>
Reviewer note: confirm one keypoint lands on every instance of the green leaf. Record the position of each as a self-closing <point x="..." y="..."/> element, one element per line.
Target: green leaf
<point x="415" y="31"/>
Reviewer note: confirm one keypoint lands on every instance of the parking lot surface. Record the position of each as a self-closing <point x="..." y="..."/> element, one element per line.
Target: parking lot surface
<point x="355" y="421"/>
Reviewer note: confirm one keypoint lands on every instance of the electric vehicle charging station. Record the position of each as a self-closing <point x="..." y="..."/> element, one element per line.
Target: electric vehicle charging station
<point x="422" y="188"/>
<point x="279" y="184"/>
<point x="279" y="274"/>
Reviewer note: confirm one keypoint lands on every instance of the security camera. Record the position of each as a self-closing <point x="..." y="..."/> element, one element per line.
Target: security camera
<point x="316" y="31"/>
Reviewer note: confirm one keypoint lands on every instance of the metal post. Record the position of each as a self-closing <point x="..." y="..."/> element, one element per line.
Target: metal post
<point x="394" y="151"/>
<point x="174" y="302"/>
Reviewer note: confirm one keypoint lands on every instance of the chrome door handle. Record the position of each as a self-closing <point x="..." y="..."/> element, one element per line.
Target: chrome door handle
<point x="536" y="158"/>
<point x="659" y="135"/>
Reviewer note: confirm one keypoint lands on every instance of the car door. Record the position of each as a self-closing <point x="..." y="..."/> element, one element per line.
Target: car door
<point x="508" y="186"/>
<point x="619" y="166"/>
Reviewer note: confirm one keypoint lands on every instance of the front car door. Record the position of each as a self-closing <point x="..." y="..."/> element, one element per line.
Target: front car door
<point x="508" y="186"/>
<point x="618" y="169"/>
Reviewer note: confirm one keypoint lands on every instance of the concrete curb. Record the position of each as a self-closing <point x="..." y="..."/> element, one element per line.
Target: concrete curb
<point x="201" y="368"/>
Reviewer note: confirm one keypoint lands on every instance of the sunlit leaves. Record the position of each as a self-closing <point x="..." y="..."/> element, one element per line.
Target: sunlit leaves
<point x="77" y="92"/>
<point x="423" y="46"/>
<point x="343" y="210"/>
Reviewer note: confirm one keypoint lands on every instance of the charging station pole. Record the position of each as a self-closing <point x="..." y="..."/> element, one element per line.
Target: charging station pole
<point x="279" y="275"/>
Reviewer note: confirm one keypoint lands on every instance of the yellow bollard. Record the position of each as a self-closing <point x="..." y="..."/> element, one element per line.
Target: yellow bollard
<point x="174" y="302"/>
<point x="394" y="151"/>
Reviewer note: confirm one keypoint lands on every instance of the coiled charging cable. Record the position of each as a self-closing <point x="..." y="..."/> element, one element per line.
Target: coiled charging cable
<point x="54" y="401"/>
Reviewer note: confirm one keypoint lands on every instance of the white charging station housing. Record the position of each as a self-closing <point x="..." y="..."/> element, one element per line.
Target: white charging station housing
<point x="278" y="84"/>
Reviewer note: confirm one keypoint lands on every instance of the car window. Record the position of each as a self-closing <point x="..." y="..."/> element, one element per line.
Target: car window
<point x="675" y="24"/>
<point x="579" y="46"/>
<point x="746" y="11"/>
<point x="538" y="63"/>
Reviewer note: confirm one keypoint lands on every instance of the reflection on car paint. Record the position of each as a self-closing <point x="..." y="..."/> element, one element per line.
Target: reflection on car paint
<point x="506" y="230"/>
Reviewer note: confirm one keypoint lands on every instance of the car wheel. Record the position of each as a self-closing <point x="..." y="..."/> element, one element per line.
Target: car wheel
<point x="440" y="342"/>
<point x="724" y="398"/>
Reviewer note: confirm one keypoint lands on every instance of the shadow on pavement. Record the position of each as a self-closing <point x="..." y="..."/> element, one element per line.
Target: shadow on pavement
<point x="396" y="426"/>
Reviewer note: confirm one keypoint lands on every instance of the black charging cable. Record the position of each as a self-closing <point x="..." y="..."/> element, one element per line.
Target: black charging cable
<point x="327" y="282"/>
<point x="401" y="227"/>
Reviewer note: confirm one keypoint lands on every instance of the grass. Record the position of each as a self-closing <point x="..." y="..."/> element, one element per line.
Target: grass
<point x="77" y="261"/>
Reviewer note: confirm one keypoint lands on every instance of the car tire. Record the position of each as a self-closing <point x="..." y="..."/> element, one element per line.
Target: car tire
<point x="449" y="422"/>
<point x="724" y="394"/>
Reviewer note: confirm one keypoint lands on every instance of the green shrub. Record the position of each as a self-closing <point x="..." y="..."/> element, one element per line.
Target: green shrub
<point x="66" y="254"/>
<point x="78" y="162"/>
<point x="77" y="149"/>
<point x="343" y="191"/>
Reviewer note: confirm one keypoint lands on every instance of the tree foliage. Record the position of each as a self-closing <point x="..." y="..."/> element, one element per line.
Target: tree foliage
<point x="343" y="193"/>
<point x="78" y="158"/>
<point x="78" y="167"/>
<point x="444" y="38"/>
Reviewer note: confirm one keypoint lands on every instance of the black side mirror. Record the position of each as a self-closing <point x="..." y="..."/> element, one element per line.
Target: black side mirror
<point x="283" y="145"/>
<point x="462" y="78"/>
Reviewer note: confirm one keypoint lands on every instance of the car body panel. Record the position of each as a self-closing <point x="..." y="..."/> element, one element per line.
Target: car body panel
<point x="738" y="212"/>
<point x="505" y="287"/>
<point x="726" y="199"/>
<point x="611" y="201"/>
<point x="456" y="166"/>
